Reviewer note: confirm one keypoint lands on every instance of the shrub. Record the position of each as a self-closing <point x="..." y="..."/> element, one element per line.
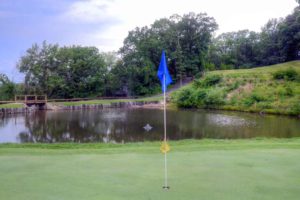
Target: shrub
<point x="285" y="91"/>
<point x="295" y="109"/>
<point x="253" y="98"/>
<point x="199" y="96"/>
<point x="208" y="81"/>
<point x="199" y="75"/>
<point x="214" y="98"/>
<point x="211" y="80"/>
<point x="288" y="74"/>
<point x="185" y="98"/>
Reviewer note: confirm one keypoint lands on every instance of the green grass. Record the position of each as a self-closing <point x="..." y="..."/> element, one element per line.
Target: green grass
<point x="12" y="105"/>
<point x="108" y="101"/>
<point x="203" y="169"/>
<point x="251" y="90"/>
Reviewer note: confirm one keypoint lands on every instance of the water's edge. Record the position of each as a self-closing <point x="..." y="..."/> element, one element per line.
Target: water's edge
<point x="146" y="104"/>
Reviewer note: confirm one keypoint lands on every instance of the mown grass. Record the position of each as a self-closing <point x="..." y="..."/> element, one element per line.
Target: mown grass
<point x="252" y="90"/>
<point x="12" y="105"/>
<point x="180" y="145"/>
<point x="198" y="169"/>
<point x="108" y="101"/>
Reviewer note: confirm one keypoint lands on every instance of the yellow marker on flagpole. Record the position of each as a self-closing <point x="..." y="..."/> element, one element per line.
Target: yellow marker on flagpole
<point x="164" y="148"/>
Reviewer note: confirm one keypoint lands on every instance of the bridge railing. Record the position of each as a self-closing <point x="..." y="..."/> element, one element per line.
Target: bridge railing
<point x="31" y="99"/>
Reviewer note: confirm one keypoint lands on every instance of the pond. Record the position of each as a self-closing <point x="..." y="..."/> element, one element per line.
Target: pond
<point x="127" y="125"/>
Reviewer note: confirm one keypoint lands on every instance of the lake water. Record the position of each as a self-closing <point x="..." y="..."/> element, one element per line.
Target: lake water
<point x="126" y="125"/>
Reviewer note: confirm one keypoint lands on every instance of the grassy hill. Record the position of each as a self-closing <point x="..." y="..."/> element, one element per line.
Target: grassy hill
<point x="274" y="89"/>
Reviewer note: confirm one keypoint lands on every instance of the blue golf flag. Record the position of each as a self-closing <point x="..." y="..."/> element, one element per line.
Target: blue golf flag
<point x="164" y="72"/>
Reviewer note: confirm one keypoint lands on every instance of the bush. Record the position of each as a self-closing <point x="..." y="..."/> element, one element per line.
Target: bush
<point x="253" y="98"/>
<point x="211" y="80"/>
<point x="208" y="81"/>
<point x="199" y="96"/>
<point x="189" y="98"/>
<point x="214" y="98"/>
<point x="295" y="109"/>
<point x="184" y="98"/>
<point x="288" y="74"/>
<point x="199" y="75"/>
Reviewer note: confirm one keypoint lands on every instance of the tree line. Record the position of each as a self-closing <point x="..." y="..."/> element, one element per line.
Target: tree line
<point x="190" y="45"/>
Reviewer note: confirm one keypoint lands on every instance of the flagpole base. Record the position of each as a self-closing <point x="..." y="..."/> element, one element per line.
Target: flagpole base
<point x="166" y="187"/>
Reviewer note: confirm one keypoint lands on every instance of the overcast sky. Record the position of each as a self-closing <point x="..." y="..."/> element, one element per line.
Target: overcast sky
<point x="105" y="23"/>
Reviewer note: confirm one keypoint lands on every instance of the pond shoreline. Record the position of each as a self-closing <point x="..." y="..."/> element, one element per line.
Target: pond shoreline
<point x="50" y="106"/>
<point x="153" y="104"/>
<point x="179" y="145"/>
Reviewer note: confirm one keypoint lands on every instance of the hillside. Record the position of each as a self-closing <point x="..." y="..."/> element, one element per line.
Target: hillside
<point x="272" y="89"/>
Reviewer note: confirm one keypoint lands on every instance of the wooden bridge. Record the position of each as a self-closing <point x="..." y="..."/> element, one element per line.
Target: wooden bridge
<point x="31" y="99"/>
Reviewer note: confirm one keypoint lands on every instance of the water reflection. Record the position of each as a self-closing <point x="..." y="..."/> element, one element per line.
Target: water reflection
<point x="127" y="126"/>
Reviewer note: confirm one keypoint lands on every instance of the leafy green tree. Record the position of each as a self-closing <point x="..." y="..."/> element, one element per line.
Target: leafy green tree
<point x="63" y="72"/>
<point x="81" y="71"/>
<point x="37" y="64"/>
<point x="7" y="88"/>
<point x="235" y="49"/>
<point x="270" y="52"/>
<point x="185" y="39"/>
<point x="196" y="31"/>
<point x="289" y="34"/>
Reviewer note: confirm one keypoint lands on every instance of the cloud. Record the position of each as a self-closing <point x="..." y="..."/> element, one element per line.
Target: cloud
<point x="90" y="11"/>
<point x="105" y="23"/>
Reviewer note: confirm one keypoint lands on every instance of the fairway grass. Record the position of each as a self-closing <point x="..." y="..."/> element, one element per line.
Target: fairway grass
<point x="198" y="169"/>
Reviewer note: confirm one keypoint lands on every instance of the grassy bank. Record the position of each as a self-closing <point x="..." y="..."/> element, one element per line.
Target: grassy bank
<point x="205" y="169"/>
<point x="273" y="89"/>
<point x="88" y="102"/>
<point x="107" y="101"/>
<point x="12" y="105"/>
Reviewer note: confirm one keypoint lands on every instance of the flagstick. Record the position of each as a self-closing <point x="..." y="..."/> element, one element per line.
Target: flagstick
<point x="165" y="136"/>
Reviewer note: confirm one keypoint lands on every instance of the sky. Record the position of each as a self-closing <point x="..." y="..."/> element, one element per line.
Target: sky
<point x="105" y="23"/>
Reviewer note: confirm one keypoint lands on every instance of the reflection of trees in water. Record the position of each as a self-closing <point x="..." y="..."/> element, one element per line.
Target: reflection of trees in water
<point x="91" y="126"/>
<point x="46" y="129"/>
<point x="81" y="126"/>
<point x="127" y="126"/>
<point x="3" y="120"/>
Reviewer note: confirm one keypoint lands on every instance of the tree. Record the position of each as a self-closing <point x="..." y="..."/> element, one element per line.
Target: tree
<point x="7" y="88"/>
<point x="81" y="72"/>
<point x="38" y="63"/>
<point x="63" y="72"/>
<point x="184" y="38"/>
<point x="196" y="32"/>
<point x="235" y="50"/>
<point x="289" y="35"/>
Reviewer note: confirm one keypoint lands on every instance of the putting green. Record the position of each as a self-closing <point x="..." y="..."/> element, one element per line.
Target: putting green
<point x="197" y="170"/>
